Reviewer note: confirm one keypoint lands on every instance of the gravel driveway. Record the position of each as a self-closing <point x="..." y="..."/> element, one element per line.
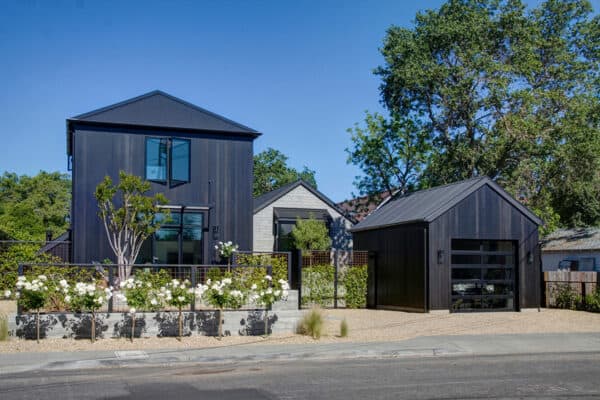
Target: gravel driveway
<point x="365" y="326"/>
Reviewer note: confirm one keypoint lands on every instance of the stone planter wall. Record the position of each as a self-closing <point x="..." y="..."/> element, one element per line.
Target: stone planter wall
<point x="283" y="318"/>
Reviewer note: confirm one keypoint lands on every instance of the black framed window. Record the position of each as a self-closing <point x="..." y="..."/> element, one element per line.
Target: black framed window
<point x="167" y="160"/>
<point x="178" y="241"/>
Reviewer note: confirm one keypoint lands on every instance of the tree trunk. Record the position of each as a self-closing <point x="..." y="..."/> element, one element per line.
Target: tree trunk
<point x="266" y="321"/>
<point x="132" y="326"/>
<point x="93" y="326"/>
<point x="180" y="323"/>
<point x="37" y="324"/>
<point x="220" y="333"/>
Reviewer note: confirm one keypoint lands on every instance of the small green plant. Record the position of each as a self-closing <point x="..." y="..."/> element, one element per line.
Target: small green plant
<point x="344" y="328"/>
<point x="311" y="323"/>
<point x="566" y="297"/>
<point x="592" y="301"/>
<point x="3" y="327"/>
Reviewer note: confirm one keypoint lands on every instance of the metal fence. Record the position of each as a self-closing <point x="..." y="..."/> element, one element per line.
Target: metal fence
<point x="581" y="283"/>
<point x="261" y="258"/>
<point x="322" y="273"/>
<point x="107" y="275"/>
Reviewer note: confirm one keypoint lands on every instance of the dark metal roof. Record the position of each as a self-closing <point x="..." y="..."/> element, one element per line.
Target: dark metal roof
<point x="264" y="200"/>
<point x="302" y="213"/>
<point x="572" y="240"/>
<point x="158" y="109"/>
<point x="427" y="205"/>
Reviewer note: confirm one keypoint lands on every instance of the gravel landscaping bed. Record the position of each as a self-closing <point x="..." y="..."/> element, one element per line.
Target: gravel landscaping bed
<point x="365" y="326"/>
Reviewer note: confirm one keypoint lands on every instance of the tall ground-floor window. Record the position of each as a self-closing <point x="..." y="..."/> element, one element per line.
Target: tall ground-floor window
<point x="178" y="241"/>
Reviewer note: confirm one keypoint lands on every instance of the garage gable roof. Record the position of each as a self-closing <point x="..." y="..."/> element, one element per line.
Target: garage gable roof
<point x="426" y="205"/>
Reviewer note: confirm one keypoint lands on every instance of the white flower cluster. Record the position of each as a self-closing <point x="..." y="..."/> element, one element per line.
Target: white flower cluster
<point x="269" y="292"/>
<point x="36" y="285"/>
<point x="82" y="289"/>
<point x="226" y="249"/>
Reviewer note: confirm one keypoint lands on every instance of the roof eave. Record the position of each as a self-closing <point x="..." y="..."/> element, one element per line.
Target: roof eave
<point x="370" y="228"/>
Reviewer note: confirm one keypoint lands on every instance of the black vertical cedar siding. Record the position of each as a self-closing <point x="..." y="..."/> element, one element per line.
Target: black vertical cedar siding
<point x="225" y="159"/>
<point x="399" y="279"/>
<point x="483" y="215"/>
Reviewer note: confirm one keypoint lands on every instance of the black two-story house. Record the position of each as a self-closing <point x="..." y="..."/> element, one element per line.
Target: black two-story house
<point x="201" y="161"/>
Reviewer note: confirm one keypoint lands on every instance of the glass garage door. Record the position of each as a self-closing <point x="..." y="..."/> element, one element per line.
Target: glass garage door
<point x="483" y="275"/>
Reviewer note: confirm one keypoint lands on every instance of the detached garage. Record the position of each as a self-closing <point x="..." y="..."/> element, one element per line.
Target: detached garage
<point x="467" y="246"/>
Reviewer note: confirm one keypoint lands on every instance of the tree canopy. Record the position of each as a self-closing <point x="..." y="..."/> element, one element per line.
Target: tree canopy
<point x="310" y="234"/>
<point x="32" y="205"/>
<point x="271" y="172"/>
<point x="492" y="88"/>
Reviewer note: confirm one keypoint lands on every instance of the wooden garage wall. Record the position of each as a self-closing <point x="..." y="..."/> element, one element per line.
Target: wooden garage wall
<point x="397" y="273"/>
<point x="484" y="215"/>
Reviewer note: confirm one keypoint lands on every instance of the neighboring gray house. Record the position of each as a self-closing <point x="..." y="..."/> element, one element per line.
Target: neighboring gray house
<point x="575" y="249"/>
<point x="276" y="212"/>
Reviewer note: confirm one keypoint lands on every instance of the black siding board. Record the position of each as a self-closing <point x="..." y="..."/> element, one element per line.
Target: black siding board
<point x="483" y="215"/>
<point x="400" y="265"/>
<point x="225" y="161"/>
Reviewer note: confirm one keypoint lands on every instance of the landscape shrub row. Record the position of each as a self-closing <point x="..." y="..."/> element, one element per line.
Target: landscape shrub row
<point x="147" y="291"/>
<point x="565" y="296"/>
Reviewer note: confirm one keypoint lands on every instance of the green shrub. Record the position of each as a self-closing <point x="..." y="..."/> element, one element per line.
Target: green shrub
<point x="277" y="262"/>
<point x="311" y="323"/>
<point x="318" y="284"/>
<point x="354" y="280"/>
<point x="344" y="328"/>
<point x="566" y="297"/>
<point x="3" y="327"/>
<point x="592" y="301"/>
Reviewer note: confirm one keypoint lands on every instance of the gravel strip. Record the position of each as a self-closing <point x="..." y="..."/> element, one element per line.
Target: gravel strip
<point x="365" y="326"/>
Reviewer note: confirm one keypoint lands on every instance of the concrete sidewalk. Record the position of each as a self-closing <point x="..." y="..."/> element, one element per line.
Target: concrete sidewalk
<point x="432" y="346"/>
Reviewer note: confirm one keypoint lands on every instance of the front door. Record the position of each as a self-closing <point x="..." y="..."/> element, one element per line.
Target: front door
<point x="483" y="275"/>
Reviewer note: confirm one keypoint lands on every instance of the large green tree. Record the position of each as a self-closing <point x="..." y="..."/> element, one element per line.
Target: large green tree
<point x="271" y="171"/>
<point x="30" y="206"/>
<point x="507" y="92"/>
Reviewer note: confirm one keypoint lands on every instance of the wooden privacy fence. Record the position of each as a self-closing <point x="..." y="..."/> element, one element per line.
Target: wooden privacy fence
<point x="581" y="283"/>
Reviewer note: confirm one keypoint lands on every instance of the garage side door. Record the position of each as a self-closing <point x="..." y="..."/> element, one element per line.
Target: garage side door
<point x="483" y="275"/>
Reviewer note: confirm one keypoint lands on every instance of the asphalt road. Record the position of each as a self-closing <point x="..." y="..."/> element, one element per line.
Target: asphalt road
<point x="565" y="375"/>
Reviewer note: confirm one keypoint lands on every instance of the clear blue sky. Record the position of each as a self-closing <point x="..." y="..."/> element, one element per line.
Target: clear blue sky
<point x="298" y="71"/>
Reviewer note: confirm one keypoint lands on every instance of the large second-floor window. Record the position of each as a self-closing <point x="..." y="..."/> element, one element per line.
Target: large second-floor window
<point x="168" y="160"/>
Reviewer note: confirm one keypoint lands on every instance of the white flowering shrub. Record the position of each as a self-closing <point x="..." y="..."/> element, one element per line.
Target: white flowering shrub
<point x="139" y="294"/>
<point x="268" y="291"/>
<point x="32" y="294"/>
<point x="226" y="249"/>
<point x="223" y="294"/>
<point x="87" y="297"/>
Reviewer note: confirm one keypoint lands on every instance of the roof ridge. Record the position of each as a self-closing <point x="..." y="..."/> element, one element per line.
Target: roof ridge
<point x="170" y="97"/>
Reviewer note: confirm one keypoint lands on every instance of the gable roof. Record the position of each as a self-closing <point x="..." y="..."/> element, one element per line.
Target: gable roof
<point x="158" y="109"/>
<point x="572" y="240"/>
<point x="426" y="205"/>
<point x="264" y="200"/>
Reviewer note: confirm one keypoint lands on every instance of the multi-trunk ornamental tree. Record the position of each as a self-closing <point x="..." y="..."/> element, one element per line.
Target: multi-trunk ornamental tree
<point x="129" y="216"/>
